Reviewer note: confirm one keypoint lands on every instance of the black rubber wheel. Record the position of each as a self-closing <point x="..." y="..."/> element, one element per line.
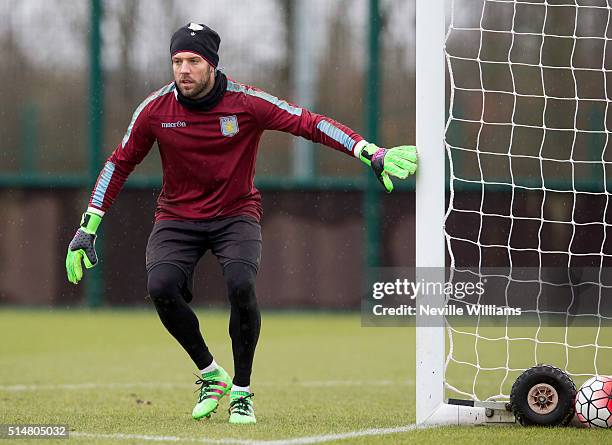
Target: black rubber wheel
<point x="543" y="395"/>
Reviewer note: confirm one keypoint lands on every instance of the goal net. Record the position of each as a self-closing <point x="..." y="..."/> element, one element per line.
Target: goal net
<point x="529" y="148"/>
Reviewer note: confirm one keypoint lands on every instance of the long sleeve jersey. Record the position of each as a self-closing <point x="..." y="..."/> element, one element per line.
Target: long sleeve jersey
<point x="208" y="157"/>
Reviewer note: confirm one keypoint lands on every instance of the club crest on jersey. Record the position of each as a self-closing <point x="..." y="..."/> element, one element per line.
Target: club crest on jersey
<point x="229" y="125"/>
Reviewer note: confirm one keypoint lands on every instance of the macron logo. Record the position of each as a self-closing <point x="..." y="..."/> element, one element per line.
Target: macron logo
<point x="174" y="124"/>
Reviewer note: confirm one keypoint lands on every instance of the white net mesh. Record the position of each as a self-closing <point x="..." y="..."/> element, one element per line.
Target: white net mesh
<point x="529" y="147"/>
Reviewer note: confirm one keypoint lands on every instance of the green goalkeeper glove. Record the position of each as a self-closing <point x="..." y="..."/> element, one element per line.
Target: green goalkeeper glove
<point x="83" y="247"/>
<point x="397" y="161"/>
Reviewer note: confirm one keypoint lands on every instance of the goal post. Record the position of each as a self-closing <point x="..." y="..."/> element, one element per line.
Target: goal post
<point x="430" y="210"/>
<point x="527" y="134"/>
<point x="430" y="190"/>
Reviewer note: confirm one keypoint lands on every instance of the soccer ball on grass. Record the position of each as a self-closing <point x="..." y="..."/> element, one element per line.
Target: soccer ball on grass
<point x="594" y="402"/>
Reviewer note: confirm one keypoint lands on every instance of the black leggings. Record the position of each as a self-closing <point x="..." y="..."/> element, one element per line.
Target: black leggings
<point x="167" y="284"/>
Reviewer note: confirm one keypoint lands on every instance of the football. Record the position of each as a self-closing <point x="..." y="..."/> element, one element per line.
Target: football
<point x="594" y="402"/>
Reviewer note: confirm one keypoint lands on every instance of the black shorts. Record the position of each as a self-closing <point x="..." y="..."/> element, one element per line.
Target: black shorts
<point x="183" y="243"/>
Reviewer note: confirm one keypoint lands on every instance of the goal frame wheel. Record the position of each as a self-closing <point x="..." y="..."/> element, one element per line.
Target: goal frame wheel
<point x="543" y="395"/>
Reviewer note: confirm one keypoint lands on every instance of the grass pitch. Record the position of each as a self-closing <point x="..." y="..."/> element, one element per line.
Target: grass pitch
<point x="117" y="377"/>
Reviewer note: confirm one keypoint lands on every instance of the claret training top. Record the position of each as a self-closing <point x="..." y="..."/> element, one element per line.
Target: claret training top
<point x="208" y="157"/>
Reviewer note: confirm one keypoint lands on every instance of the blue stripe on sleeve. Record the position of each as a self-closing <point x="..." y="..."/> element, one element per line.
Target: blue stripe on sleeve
<point x="237" y="88"/>
<point x="296" y="111"/>
<point x="336" y="134"/>
<point x="100" y="190"/>
<point x="165" y="90"/>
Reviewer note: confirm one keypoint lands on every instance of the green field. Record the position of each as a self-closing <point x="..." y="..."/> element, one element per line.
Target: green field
<point x="116" y="377"/>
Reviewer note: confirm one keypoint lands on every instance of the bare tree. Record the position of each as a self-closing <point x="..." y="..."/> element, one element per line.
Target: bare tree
<point x="285" y="73"/>
<point x="127" y="16"/>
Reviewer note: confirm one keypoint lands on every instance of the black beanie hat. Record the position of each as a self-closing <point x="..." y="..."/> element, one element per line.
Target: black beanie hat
<point x="199" y="39"/>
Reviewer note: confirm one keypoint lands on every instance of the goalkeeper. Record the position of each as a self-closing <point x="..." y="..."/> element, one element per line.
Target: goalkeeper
<point x="207" y="127"/>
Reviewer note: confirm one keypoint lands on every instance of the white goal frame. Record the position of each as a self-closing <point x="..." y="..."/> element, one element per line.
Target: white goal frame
<point x="435" y="45"/>
<point x="431" y="408"/>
